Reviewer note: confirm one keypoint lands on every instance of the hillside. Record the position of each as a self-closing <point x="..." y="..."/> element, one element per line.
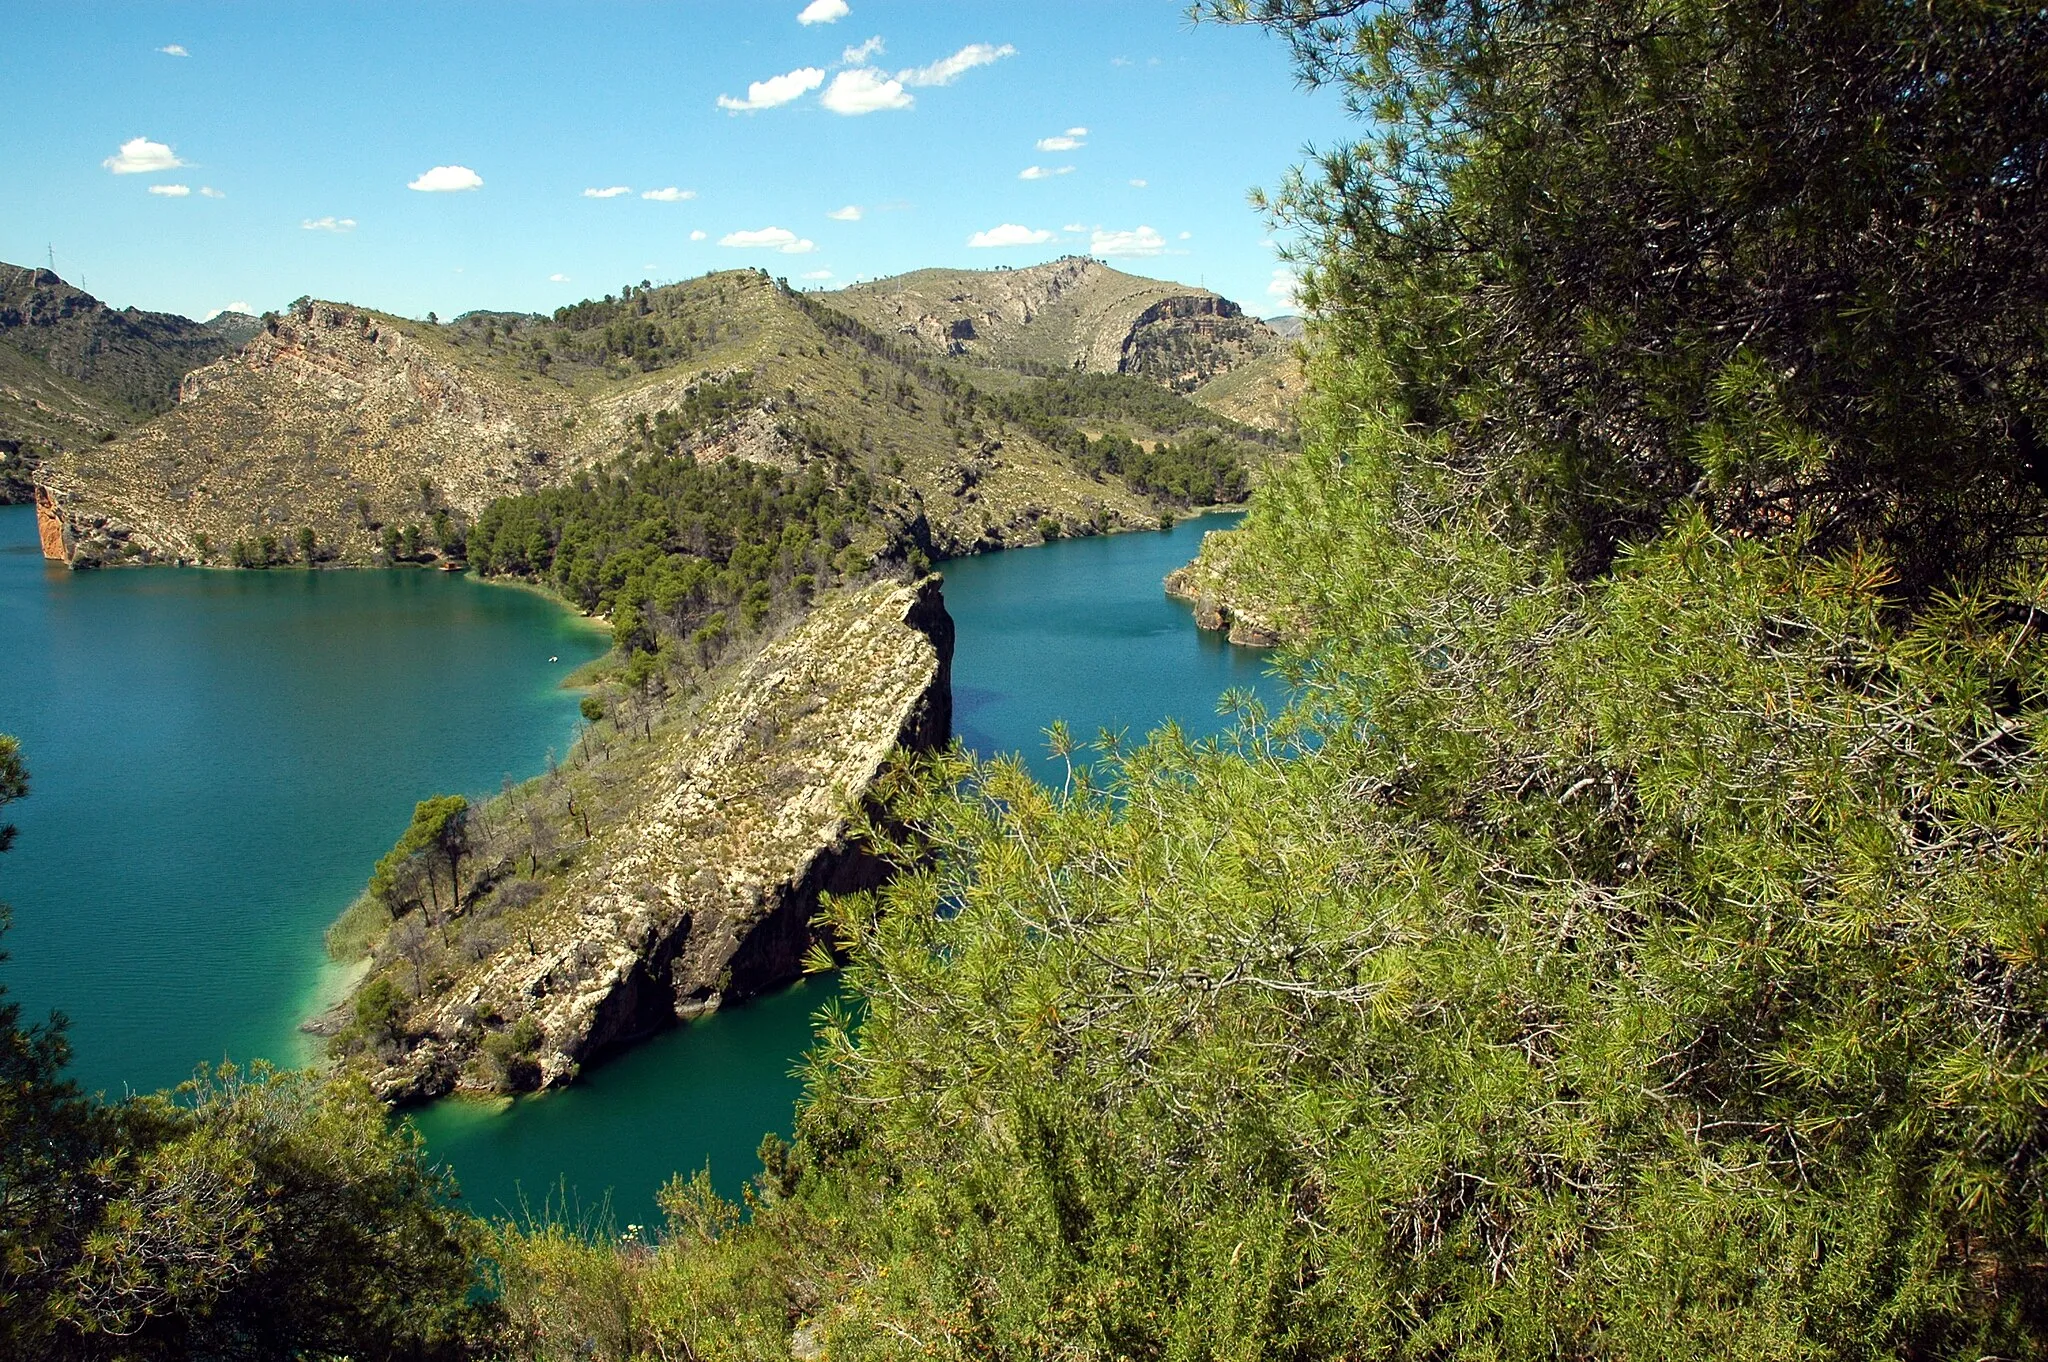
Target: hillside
<point x="73" y="370"/>
<point x="1077" y="313"/>
<point x="346" y="422"/>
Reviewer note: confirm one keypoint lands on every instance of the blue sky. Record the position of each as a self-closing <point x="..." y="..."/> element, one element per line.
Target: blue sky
<point x="298" y="130"/>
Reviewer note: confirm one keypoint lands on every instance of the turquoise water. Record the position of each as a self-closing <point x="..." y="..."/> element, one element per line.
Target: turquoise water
<point x="1083" y="630"/>
<point x="1079" y="629"/>
<point x="219" y="757"/>
<point x="216" y="759"/>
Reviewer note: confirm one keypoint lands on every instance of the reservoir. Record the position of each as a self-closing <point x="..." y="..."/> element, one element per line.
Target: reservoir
<point x="215" y="761"/>
<point x="217" y="758"/>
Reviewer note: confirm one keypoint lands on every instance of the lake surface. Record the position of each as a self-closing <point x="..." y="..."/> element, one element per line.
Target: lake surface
<point x="215" y="761"/>
<point x="217" y="758"/>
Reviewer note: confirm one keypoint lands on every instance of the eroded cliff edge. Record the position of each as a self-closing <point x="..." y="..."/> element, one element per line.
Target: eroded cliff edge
<point x="697" y="889"/>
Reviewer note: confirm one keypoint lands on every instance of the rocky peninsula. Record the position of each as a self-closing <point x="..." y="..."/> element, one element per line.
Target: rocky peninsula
<point x="693" y="886"/>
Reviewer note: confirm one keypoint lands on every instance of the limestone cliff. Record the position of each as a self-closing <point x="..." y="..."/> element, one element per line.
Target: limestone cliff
<point x="699" y="888"/>
<point x="1074" y="313"/>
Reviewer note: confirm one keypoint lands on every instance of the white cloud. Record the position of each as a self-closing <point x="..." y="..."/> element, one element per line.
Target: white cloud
<point x="946" y="70"/>
<point x="171" y="191"/>
<point x="328" y="224"/>
<point x="209" y="192"/>
<point x="823" y="12"/>
<point x="1042" y="173"/>
<point x="698" y="236"/>
<point x="1140" y="184"/>
<point x="817" y="274"/>
<point x="1074" y="227"/>
<point x="770" y="239"/>
<point x="140" y="156"/>
<point x="1077" y="132"/>
<point x="240" y="307"/>
<point x="854" y="56"/>
<point x="447" y="180"/>
<point x="863" y="91"/>
<point x="1139" y="241"/>
<point x="558" y="279"/>
<point x="1119" y="61"/>
<point x="1284" y="287"/>
<point x="174" y="50"/>
<point x="767" y="94"/>
<point x="615" y="191"/>
<point x="1009" y="234"/>
<point x="1064" y="142"/>
<point x="1187" y="236"/>
<point x="850" y="213"/>
<point x="668" y="195"/>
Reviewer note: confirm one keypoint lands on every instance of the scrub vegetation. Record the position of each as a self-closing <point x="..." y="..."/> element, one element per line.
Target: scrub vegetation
<point x="1631" y="944"/>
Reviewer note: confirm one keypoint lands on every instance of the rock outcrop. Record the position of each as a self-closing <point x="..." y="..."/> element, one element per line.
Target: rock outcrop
<point x="75" y="372"/>
<point x="702" y="891"/>
<point x="1074" y="313"/>
<point x="1220" y="597"/>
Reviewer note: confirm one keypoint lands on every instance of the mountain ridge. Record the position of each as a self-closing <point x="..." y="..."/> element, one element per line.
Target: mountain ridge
<point x="74" y="371"/>
<point x="342" y="423"/>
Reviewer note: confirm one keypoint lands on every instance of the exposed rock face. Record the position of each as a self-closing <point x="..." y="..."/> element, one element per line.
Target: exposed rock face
<point x="1219" y="596"/>
<point x="1073" y="313"/>
<point x="704" y="893"/>
<point x="50" y="527"/>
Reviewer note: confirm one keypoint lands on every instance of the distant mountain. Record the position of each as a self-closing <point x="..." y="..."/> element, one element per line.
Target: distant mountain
<point x="346" y="421"/>
<point x="74" y="371"/>
<point x="1077" y="313"/>
<point x="1290" y="327"/>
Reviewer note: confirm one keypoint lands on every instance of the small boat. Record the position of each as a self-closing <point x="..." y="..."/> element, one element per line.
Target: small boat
<point x="453" y="565"/>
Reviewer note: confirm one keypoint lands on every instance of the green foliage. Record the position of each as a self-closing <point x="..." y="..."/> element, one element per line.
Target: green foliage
<point x="637" y="330"/>
<point x="667" y="546"/>
<point x="13" y="783"/>
<point x="1631" y="944"/>
<point x="267" y="1214"/>
<point x="1208" y="465"/>
<point x="1591" y="240"/>
<point x="1203" y="469"/>
<point x="437" y="835"/>
<point x="510" y="1054"/>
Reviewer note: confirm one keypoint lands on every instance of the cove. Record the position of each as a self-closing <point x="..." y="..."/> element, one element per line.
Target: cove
<point x="1078" y="629"/>
<point x="216" y="759"/>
